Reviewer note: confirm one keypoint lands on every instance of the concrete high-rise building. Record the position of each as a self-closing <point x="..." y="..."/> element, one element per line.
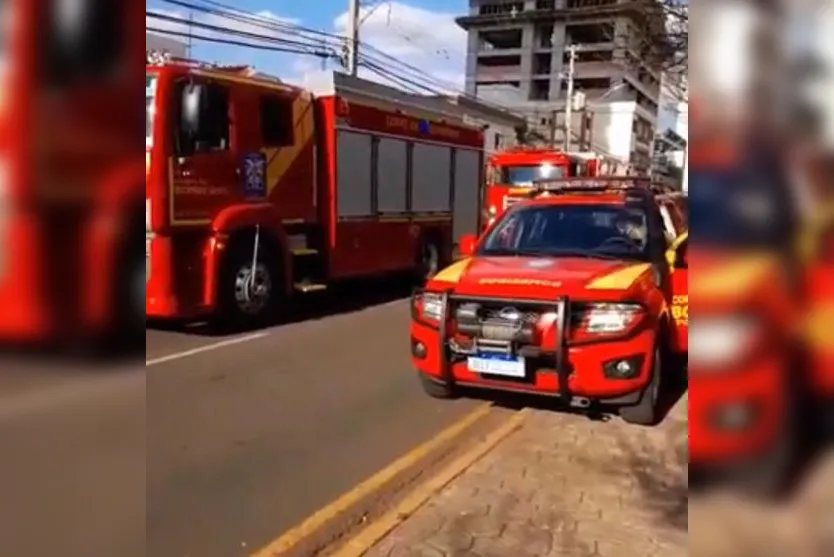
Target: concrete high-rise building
<point x="519" y="57"/>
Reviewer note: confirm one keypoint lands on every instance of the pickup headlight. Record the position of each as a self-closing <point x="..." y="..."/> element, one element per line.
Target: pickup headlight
<point x="429" y="306"/>
<point x="609" y="317"/>
<point x="719" y="341"/>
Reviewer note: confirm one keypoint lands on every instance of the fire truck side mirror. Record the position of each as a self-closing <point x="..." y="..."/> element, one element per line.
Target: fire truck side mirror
<point x="191" y="106"/>
<point x="467" y="244"/>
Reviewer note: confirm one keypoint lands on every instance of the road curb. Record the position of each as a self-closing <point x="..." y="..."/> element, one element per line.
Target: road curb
<point x="378" y="529"/>
<point x="318" y="520"/>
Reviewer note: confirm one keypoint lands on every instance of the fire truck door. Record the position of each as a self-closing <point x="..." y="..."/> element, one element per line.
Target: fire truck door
<point x="678" y="295"/>
<point x="205" y="168"/>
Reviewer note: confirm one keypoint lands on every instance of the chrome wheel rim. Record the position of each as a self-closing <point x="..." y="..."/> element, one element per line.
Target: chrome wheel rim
<point x="251" y="296"/>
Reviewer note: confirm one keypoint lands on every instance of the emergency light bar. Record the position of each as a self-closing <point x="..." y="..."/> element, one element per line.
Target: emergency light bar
<point x="598" y="183"/>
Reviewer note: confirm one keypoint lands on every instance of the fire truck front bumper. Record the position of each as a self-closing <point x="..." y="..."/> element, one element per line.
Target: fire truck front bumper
<point x="614" y="371"/>
<point x="164" y="298"/>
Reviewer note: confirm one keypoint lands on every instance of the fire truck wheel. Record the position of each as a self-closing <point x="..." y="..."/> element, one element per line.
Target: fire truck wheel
<point x="429" y="259"/>
<point x="129" y="301"/>
<point x="244" y="301"/>
<point x="646" y="411"/>
<point x="436" y="389"/>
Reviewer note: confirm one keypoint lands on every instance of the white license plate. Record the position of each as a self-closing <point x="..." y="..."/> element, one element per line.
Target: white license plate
<point x="507" y="366"/>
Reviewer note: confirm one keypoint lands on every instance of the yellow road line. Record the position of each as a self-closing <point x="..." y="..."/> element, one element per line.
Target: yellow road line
<point x="378" y="529"/>
<point x="309" y="526"/>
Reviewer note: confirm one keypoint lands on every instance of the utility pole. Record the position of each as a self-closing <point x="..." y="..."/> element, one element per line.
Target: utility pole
<point x="353" y="37"/>
<point x="569" y="101"/>
<point x="190" y="34"/>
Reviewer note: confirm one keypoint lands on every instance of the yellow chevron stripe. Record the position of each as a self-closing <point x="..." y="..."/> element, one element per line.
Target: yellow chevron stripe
<point x="280" y="159"/>
<point x="453" y="272"/>
<point x="733" y="278"/>
<point x="619" y="280"/>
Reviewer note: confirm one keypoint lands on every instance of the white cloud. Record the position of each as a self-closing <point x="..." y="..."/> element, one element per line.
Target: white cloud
<point x="430" y="42"/>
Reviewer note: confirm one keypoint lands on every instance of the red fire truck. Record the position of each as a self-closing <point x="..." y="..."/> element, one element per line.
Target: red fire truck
<point x="70" y="179"/>
<point x="511" y="173"/>
<point x="257" y="190"/>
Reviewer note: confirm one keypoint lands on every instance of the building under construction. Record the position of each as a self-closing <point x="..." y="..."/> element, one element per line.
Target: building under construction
<point x="519" y="55"/>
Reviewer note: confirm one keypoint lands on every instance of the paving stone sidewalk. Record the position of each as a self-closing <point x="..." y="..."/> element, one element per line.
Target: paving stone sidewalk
<point x="562" y="486"/>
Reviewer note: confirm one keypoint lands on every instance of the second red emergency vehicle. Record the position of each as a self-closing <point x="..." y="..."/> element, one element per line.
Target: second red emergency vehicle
<point x="511" y="173"/>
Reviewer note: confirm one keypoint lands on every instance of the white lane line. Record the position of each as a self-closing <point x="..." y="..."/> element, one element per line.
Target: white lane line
<point x="204" y="348"/>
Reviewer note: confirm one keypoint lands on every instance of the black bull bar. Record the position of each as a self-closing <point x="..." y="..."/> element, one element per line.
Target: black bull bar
<point x="561" y="306"/>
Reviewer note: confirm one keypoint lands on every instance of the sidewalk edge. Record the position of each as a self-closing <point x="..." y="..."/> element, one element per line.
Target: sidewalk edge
<point x="377" y="530"/>
<point x="320" y="518"/>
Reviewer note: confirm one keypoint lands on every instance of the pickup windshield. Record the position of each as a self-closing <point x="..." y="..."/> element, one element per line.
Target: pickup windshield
<point x="525" y="175"/>
<point x="150" y="94"/>
<point x="586" y="230"/>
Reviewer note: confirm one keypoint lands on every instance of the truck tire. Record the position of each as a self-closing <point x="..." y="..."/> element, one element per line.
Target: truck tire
<point x="436" y="389"/>
<point x="129" y="297"/>
<point x="429" y="259"/>
<point x="647" y="411"/>
<point x="241" y="304"/>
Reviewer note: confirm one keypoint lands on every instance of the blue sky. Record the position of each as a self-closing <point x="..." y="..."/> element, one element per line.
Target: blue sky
<point x="420" y="32"/>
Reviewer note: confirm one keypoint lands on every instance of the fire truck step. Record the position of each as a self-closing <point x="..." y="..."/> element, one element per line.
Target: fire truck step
<point x="305" y="251"/>
<point x="306" y="287"/>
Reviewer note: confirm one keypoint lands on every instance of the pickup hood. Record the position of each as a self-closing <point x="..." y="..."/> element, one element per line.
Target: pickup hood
<point x="538" y="277"/>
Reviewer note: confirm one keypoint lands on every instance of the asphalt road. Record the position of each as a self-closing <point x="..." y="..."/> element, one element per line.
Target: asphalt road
<point x="214" y="449"/>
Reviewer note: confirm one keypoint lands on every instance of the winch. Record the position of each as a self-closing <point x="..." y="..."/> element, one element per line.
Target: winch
<point x="508" y="324"/>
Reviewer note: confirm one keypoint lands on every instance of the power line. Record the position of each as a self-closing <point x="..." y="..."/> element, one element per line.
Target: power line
<point x="233" y="42"/>
<point x="228" y="31"/>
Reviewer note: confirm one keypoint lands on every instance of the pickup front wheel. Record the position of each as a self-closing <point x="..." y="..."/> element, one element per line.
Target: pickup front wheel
<point x="647" y="411"/>
<point x="436" y="389"/>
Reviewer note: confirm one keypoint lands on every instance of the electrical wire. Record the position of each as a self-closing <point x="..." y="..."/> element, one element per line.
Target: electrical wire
<point x="232" y="42"/>
<point x="227" y="31"/>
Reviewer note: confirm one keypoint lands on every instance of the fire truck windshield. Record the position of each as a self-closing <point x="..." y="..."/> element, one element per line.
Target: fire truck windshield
<point x="586" y="230"/>
<point x="150" y="94"/>
<point x="736" y="208"/>
<point x="526" y="174"/>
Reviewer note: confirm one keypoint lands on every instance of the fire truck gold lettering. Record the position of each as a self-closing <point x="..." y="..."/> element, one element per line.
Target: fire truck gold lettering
<point x="523" y="282"/>
<point x="199" y="190"/>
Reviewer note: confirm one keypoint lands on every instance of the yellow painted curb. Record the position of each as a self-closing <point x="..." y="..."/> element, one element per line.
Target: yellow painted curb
<point x="311" y="524"/>
<point x="377" y="530"/>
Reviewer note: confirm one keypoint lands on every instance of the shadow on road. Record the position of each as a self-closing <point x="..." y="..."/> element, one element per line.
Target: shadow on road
<point x="345" y="297"/>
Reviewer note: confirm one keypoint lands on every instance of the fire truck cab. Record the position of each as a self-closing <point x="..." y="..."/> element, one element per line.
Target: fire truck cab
<point x="257" y="190"/>
<point x="511" y="174"/>
<point x="578" y="292"/>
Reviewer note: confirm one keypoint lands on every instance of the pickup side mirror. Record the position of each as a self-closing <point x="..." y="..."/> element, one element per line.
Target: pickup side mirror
<point x="467" y="244"/>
